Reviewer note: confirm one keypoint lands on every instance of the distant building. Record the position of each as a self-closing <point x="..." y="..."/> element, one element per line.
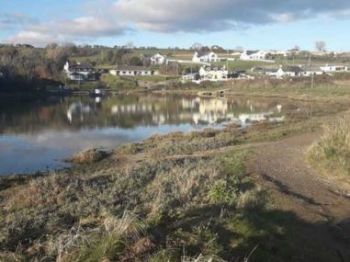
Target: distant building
<point x="334" y="68"/>
<point x="133" y="71"/>
<point x="158" y="59"/>
<point x="208" y="73"/>
<point x="279" y="53"/>
<point x="79" y="71"/>
<point x="286" y="71"/>
<point x="205" y="57"/>
<point x="249" y="55"/>
<point x="190" y="77"/>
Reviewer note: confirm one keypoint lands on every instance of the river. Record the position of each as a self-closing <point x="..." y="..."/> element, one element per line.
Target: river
<point x="38" y="136"/>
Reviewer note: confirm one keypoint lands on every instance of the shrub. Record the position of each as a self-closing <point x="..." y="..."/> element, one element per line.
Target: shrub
<point x="89" y="157"/>
<point x="224" y="192"/>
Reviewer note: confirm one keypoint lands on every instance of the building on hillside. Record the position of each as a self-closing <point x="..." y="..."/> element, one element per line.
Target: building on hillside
<point x="249" y="55"/>
<point x="279" y="53"/>
<point x="236" y="53"/>
<point x="208" y="73"/>
<point x="190" y="77"/>
<point x="158" y="59"/>
<point x="133" y="71"/>
<point x="79" y="71"/>
<point x="205" y="57"/>
<point x="286" y="71"/>
<point x="334" y="68"/>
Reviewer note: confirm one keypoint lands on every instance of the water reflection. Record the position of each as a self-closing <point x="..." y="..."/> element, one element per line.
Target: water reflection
<point x="38" y="135"/>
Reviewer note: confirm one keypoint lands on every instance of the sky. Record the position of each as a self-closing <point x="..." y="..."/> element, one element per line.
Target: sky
<point x="251" y="24"/>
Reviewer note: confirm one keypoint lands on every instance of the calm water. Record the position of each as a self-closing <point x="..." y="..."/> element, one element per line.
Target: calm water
<point x="39" y="135"/>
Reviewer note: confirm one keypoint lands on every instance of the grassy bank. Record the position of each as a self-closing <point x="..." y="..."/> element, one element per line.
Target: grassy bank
<point x="331" y="155"/>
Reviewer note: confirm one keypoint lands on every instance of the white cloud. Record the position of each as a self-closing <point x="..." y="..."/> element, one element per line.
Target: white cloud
<point x="80" y="28"/>
<point x="115" y="17"/>
<point x="32" y="37"/>
<point x="218" y="15"/>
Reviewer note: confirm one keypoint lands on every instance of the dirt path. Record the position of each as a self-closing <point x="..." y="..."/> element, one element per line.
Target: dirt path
<point x="296" y="187"/>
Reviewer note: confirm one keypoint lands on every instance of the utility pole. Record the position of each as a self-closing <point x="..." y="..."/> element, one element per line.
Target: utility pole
<point x="227" y="60"/>
<point x="312" y="80"/>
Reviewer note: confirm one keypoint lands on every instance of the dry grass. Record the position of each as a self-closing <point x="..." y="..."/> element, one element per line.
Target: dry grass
<point x="331" y="154"/>
<point x="89" y="157"/>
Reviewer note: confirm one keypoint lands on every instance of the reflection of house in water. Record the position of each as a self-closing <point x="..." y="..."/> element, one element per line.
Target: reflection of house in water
<point x="135" y="108"/>
<point x="77" y="110"/>
<point x="199" y="111"/>
<point x="211" y="111"/>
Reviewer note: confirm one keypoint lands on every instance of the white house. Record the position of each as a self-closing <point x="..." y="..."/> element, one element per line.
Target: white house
<point x="279" y="53"/>
<point x="248" y="55"/>
<point x="79" y="71"/>
<point x="190" y="77"/>
<point x="133" y="71"/>
<point x="286" y="71"/>
<point x="208" y="73"/>
<point x="334" y="68"/>
<point x="205" y="57"/>
<point x="158" y="59"/>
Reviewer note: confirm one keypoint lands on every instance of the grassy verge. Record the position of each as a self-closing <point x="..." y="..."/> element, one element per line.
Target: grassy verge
<point x="332" y="153"/>
<point x="118" y="83"/>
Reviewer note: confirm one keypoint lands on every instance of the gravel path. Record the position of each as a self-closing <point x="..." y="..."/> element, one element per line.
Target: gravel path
<point x="281" y="167"/>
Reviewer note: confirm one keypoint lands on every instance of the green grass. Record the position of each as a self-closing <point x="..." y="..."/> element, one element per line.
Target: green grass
<point x="118" y="83"/>
<point x="243" y="65"/>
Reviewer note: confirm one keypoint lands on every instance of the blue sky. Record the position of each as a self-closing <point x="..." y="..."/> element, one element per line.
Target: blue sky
<point x="265" y="24"/>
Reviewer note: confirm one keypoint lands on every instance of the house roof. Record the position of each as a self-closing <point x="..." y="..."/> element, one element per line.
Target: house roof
<point x="133" y="68"/>
<point x="295" y="69"/>
<point x="213" y="68"/>
<point x="250" y="52"/>
<point x="80" y="66"/>
<point x="203" y="53"/>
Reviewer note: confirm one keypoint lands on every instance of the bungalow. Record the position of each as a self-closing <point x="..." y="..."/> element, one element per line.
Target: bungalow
<point x="190" y="77"/>
<point x="79" y="71"/>
<point x="133" y="71"/>
<point x="286" y="71"/>
<point x="248" y="55"/>
<point x="158" y="59"/>
<point x="208" y="73"/>
<point x="334" y="68"/>
<point x="205" y="57"/>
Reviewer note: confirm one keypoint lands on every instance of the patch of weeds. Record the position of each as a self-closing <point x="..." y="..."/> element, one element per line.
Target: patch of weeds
<point x="225" y="191"/>
<point x="108" y="246"/>
<point x="332" y="152"/>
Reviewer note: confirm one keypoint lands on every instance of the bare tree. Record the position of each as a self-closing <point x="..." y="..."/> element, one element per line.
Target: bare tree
<point x="196" y="46"/>
<point x="320" y="46"/>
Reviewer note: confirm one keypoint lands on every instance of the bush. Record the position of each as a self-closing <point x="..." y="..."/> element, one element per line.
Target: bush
<point x="89" y="157"/>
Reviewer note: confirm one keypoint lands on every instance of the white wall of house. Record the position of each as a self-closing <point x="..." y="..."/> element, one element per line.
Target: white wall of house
<point x="213" y="74"/>
<point x="158" y="59"/>
<point x="208" y="58"/>
<point x="124" y="72"/>
<point x="256" y="56"/>
<point x="310" y="73"/>
<point x="334" y="68"/>
<point x="280" y="73"/>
